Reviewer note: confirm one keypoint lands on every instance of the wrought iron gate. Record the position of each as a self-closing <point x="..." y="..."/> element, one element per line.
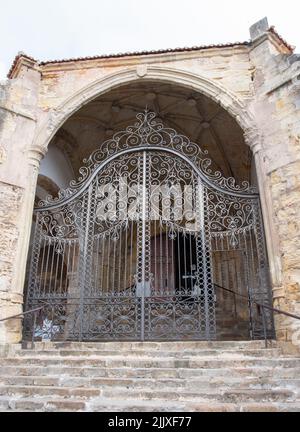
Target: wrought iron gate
<point x="128" y="251"/>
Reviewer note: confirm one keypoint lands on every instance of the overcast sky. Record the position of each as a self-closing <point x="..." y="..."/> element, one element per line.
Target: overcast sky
<point x="56" y="29"/>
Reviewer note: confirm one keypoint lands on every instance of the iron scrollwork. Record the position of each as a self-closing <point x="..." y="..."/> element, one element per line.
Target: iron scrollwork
<point x="131" y="251"/>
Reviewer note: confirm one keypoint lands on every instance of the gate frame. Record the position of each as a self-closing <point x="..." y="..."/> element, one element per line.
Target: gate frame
<point x="212" y="182"/>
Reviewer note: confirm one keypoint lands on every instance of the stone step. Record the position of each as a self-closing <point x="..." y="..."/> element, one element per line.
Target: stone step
<point x="214" y="382"/>
<point x="86" y="393"/>
<point x="266" y="353"/>
<point x="145" y="362"/>
<point x="155" y="373"/>
<point x="37" y="391"/>
<point x="147" y="406"/>
<point x="118" y="405"/>
<point x="228" y="395"/>
<point x="169" y="346"/>
<point x="149" y="376"/>
<point x="103" y="405"/>
<point x="12" y="404"/>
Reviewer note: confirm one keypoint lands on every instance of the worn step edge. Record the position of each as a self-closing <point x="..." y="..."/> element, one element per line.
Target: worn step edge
<point x="119" y="405"/>
<point x="180" y="372"/>
<point x="174" y="345"/>
<point x="195" y="362"/>
<point x="84" y="393"/>
<point x="266" y="353"/>
<point x="145" y="383"/>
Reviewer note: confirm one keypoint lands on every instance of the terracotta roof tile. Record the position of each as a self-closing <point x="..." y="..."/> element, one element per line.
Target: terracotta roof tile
<point x="126" y="54"/>
<point x="140" y="53"/>
<point x="283" y="41"/>
<point x="18" y="56"/>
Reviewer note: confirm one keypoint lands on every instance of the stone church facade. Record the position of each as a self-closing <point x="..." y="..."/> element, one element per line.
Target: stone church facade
<point x="239" y="102"/>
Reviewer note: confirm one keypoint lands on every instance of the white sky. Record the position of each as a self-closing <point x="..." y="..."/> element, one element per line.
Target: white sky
<point x="56" y="29"/>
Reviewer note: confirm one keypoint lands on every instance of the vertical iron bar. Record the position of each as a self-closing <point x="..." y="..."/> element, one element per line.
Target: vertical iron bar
<point x="109" y="290"/>
<point x="155" y="255"/>
<point x="52" y="318"/>
<point x="47" y="262"/>
<point x="264" y="325"/>
<point x="51" y="271"/>
<point x="179" y="264"/>
<point x="131" y="257"/>
<point x="82" y="268"/>
<point x="143" y="245"/>
<point x="249" y="289"/>
<point x="33" y="330"/>
<point x="234" y="300"/>
<point x="42" y="272"/>
<point x="101" y="283"/>
<point x="202" y="197"/>
<point x="125" y="257"/>
<point x="96" y="283"/>
<point x="114" y="267"/>
<point x="160" y="258"/>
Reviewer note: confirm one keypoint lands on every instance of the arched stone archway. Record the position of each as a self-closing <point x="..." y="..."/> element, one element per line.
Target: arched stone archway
<point x="231" y="103"/>
<point x="54" y="119"/>
<point x="50" y="122"/>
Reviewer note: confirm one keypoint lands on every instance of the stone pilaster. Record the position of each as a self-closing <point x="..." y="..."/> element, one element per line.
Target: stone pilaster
<point x="18" y="173"/>
<point x="15" y="235"/>
<point x="254" y="139"/>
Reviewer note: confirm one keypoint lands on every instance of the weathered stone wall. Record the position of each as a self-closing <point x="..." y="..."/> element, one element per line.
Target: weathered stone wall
<point x="277" y="111"/>
<point x="18" y="106"/>
<point x="229" y="66"/>
<point x="10" y="300"/>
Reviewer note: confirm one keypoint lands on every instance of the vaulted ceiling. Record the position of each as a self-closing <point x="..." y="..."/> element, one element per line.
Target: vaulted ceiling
<point x="190" y="113"/>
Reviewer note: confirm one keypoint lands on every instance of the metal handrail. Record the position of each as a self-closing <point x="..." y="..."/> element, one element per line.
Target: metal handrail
<point x="23" y="313"/>
<point x="32" y="311"/>
<point x="258" y="303"/>
<point x="261" y="306"/>
<point x="261" y="309"/>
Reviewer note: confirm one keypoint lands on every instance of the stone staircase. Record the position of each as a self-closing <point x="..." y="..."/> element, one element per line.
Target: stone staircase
<point x="149" y="376"/>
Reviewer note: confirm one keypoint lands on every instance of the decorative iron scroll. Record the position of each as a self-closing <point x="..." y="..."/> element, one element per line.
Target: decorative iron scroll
<point x="137" y="249"/>
<point x="148" y="131"/>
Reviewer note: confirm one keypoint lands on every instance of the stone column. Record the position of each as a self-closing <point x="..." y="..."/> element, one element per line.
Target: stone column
<point x="10" y="298"/>
<point x="18" y="174"/>
<point x="276" y="108"/>
<point x="254" y="140"/>
<point x="17" y="220"/>
<point x="280" y="202"/>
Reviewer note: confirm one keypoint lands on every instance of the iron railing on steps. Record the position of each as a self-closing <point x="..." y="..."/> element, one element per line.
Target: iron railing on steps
<point x="261" y="307"/>
<point x="34" y="312"/>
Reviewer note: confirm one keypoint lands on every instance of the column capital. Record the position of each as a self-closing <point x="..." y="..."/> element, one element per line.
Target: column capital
<point x="35" y="155"/>
<point x="254" y="139"/>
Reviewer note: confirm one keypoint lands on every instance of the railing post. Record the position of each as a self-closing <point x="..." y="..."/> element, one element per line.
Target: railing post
<point x="52" y="318"/>
<point x="250" y="307"/>
<point x="33" y="329"/>
<point x="235" y="310"/>
<point x="264" y="325"/>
